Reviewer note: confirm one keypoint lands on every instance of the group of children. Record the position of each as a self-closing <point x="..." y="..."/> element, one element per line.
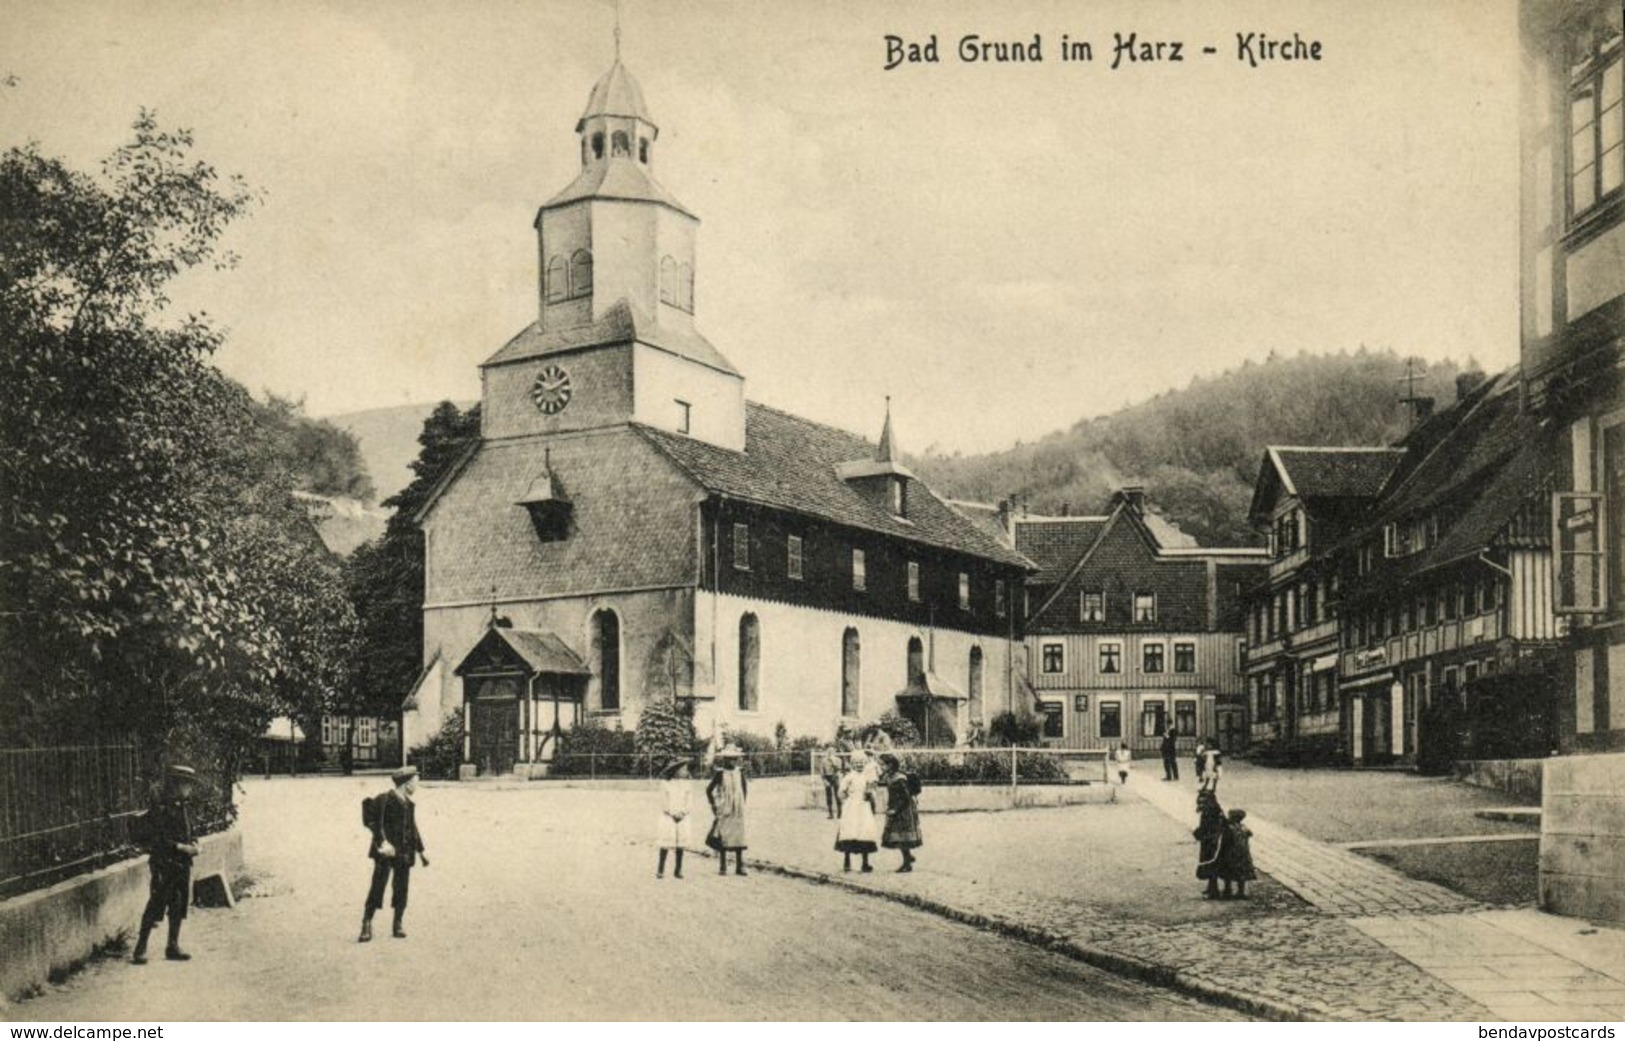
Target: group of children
<point x="862" y="790"/>
<point x="1224" y="851"/>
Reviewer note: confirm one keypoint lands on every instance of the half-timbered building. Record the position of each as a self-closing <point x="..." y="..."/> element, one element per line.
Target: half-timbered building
<point x="1129" y="635"/>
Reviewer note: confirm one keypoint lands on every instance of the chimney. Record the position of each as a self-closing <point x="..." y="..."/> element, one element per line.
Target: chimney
<point x="1424" y="409"/>
<point x="1006" y="508"/>
<point x="1467" y="382"/>
<point x="1066" y="509"/>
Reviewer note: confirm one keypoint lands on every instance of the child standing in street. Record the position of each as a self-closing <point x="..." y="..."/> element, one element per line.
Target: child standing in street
<point x="1209" y="835"/>
<point x="673" y="829"/>
<point x="1236" y="858"/>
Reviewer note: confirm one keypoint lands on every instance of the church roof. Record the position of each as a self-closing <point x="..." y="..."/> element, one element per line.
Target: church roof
<point x="621" y="324"/>
<point x="621" y="177"/>
<point x="616" y="94"/>
<point x="792" y="464"/>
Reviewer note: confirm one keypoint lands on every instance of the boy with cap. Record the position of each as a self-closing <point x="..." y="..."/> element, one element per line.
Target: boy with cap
<point x="395" y="847"/>
<point x="166" y="831"/>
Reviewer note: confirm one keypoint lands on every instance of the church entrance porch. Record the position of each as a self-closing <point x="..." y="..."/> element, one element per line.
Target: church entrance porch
<point x="522" y="689"/>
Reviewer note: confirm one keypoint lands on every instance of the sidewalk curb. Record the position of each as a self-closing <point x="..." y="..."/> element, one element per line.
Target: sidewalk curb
<point x="1111" y="961"/>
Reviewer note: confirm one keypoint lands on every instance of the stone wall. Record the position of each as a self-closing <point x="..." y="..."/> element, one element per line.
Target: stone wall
<point x="1582" y="837"/>
<point x="1518" y="778"/>
<point x="52" y="928"/>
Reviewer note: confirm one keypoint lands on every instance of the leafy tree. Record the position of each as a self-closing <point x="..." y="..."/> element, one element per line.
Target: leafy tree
<point x="157" y="575"/>
<point x="385" y="577"/>
<point x="324" y="459"/>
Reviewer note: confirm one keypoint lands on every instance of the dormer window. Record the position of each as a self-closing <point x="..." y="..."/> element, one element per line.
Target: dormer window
<point x="549" y="508"/>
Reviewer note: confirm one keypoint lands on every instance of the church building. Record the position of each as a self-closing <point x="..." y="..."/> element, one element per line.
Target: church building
<point x="629" y="527"/>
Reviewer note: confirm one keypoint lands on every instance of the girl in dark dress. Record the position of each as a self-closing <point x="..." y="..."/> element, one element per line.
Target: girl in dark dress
<point x="1210" y="835"/>
<point x="1236" y="858"/>
<point x="902" y="812"/>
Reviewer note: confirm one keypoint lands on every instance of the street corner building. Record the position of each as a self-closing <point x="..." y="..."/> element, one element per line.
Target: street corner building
<point x="1134" y="628"/>
<point x="629" y="527"/>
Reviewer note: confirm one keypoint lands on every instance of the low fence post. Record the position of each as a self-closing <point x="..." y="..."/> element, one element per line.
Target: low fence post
<point x="1013" y="771"/>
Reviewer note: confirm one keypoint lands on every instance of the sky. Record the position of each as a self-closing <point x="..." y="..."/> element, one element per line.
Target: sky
<point x="1005" y="249"/>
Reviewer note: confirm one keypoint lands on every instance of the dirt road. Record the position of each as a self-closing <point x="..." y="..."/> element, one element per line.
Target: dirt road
<point x="538" y="907"/>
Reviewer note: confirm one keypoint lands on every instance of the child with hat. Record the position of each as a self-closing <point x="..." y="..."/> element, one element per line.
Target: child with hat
<point x="396" y="845"/>
<point x="166" y="831"/>
<point x="672" y="830"/>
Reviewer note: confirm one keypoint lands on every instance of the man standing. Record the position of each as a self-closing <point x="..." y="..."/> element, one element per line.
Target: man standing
<point x="1170" y="755"/>
<point x="166" y="831"/>
<point x="395" y="847"/>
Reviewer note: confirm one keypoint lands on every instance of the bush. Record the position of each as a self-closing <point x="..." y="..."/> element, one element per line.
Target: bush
<point x="666" y="729"/>
<point x="983" y="768"/>
<point x="1009" y="730"/>
<point x="593" y="748"/>
<point x="438" y="758"/>
<point x="902" y="731"/>
<point x="763" y="756"/>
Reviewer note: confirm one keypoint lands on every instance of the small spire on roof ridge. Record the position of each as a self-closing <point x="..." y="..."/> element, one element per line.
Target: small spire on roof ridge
<point x="617" y="30"/>
<point x="887" y="451"/>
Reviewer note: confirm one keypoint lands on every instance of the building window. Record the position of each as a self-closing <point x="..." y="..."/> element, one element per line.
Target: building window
<point x="1582" y="558"/>
<point x="558" y="280"/>
<point x="792" y="547"/>
<point x="607" y="649"/>
<point x="850" y="651"/>
<point x="685" y="412"/>
<point x="1145" y="607"/>
<point x="687" y="303"/>
<point x="913" y="581"/>
<point x="1153" y="719"/>
<point x="1596" y="123"/>
<point x="1080" y="703"/>
<point x="742" y="547"/>
<point x="750" y="662"/>
<point x="999" y="607"/>
<point x="1111" y="657"/>
<point x="964" y="591"/>
<point x="1111" y="719"/>
<point x="916" y="662"/>
<point x="643" y="150"/>
<point x="1054" y="720"/>
<point x="669" y="289"/>
<point x="620" y="144"/>
<point x="1241" y="655"/>
<point x="973" y="683"/>
<point x="1184" y="657"/>
<point x="1151" y="657"/>
<point x="598" y="145"/>
<point x="860" y="577"/>
<point x="899" y="497"/>
<point x="1054" y="657"/>
<point x="1450" y="602"/>
<point x="1092" y="606"/>
<point x="1185" y="718"/>
<point x="581" y="273"/>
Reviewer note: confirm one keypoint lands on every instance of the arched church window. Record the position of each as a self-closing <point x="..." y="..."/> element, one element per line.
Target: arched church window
<point x="687" y="290"/>
<point x="850" y="650"/>
<point x="916" y="662"/>
<point x="598" y="145"/>
<point x="669" y="288"/>
<point x="643" y="150"/>
<point x="606" y="647"/>
<point x="558" y="280"/>
<point x="620" y="144"/>
<point x="750" y="663"/>
<point x="581" y="273"/>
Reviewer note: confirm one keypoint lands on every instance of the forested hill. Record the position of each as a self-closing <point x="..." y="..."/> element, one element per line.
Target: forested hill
<point x="1197" y="450"/>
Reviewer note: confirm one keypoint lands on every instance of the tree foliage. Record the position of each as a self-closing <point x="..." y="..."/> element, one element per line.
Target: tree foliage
<point x="1197" y="450"/>
<point x="385" y="577"/>
<point x="156" y="573"/>
<point x="323" y="459"/>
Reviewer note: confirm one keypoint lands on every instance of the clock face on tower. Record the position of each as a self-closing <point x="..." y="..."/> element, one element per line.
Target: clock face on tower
<point x="551" y="391"/>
